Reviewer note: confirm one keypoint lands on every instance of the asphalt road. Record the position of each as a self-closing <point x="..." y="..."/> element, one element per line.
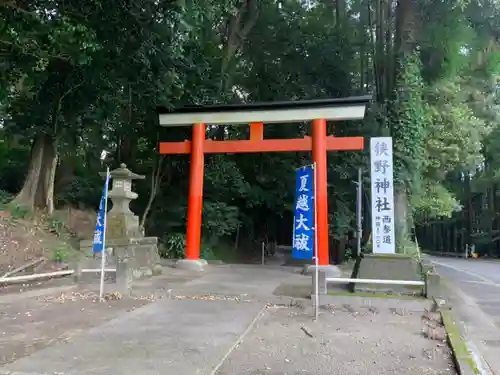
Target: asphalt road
<point x="476" y="300"/>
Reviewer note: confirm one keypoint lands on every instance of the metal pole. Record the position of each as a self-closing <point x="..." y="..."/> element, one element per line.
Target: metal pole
<point x="103" y="255"/>
<point x="359" y="211"/>
<point x="316" y="250"/>
<point x="263" y="260"/>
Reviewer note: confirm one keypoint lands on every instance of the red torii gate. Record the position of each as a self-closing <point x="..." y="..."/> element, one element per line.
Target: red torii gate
<point x="319" y="111"/>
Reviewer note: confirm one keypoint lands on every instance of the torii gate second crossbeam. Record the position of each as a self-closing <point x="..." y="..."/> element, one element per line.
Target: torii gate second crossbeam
<point x="319" y="111"/>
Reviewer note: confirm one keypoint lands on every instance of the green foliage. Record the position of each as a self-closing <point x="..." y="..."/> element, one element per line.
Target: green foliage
<point x="60" y="254"/>
<point x="410" y="248"/>
<point x="434" y="201"/>
<point x="5" y="197"/>
<point x="207" y="253"/>
<point x="92" y="80"/>
<point x="342" y="220"/>
<point x="56" y="226"/>
<point x="409" y="123"/>
<point x="174" y="246"/>
<point x="17" y="211"/>
<point x="13" y="163"/>
<point x="454" y="141"/>
<point x="219" y="219"/>
<point x="349" y="254"/>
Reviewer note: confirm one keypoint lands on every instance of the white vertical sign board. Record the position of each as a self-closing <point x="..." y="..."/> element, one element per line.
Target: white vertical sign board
<point x="382" y="187"/>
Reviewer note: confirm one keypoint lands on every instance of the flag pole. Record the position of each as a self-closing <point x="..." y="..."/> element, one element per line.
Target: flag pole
<point x="316" y="261"/>
<point x="103" y="255"/>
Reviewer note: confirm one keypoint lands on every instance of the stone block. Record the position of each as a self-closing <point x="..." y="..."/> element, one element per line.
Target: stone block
<point x="320" y="281"/>
<point x="82" y="276"/>
<point x="204" y="262"/>
<point x="124" y="277"/>
<point x="157" y="270"/>
<point x="433" y="286"/>
<point x="192" y="265"/>
<point x="122" y="225"/>
<point x="140" y="252"/>
<point x="77" y="276"/>
<point x="329" y="270"/>
<point x="389" y="267"/>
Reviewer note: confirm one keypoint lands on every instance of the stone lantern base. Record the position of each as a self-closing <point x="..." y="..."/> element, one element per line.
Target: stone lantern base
<point x="140" y="254"/>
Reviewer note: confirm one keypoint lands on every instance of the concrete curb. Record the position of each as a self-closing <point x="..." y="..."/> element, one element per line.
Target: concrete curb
<point x="259" y="315"/>
<point x="462" y="357"/>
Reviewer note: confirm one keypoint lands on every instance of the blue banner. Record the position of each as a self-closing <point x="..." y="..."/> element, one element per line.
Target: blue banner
<point x="303" y="220"/>
<point x="100" y="227"/>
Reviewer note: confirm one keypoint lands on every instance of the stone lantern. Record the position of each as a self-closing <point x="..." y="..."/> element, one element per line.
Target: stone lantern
<point x="123" y="235"/>
<point x="121" y="221"/>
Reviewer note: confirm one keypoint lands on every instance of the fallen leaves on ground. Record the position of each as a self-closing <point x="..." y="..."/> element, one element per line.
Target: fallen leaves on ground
<point x="93" y="297"/>
<point x="208" y="297"/>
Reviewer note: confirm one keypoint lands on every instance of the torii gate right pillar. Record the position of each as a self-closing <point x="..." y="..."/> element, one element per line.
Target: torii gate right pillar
<point x="319" y="154"/>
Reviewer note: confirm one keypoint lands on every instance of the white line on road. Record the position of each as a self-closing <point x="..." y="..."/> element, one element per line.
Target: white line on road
<point x="476" y="330"/>
<point x="477" y="282"/>
<point x="485" y="280"/>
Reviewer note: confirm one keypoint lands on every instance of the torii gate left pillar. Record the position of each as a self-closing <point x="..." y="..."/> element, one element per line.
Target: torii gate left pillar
<point x="319" y="144"/>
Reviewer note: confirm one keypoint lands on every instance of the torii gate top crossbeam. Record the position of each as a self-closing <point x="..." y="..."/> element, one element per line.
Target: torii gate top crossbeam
<point x="351" y="108"/>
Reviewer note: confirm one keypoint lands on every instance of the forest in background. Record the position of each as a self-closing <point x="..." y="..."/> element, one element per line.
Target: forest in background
<point x="77" y="77"/>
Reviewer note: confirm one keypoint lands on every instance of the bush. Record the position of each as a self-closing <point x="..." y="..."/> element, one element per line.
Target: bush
<point x="174" y="246"/>
<point x="5" y="197"/>
<point x="18" y="211"/>
<point x="207" y="253"/>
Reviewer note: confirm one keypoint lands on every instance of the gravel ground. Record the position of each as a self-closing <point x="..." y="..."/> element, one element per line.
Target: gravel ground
<point x="31" y="324"/>
<point x="33" y="318"/>
<point x="346" y="340"/>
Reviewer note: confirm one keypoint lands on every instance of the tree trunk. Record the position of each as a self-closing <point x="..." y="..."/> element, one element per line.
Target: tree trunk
<point x="38" y="189"/>
<point x="401" y="214"/>
<point x="389" y="49"/>
<point x="380" y="50"/>
<point x="127" y="150"/>
<point x="65" y="171"/>
<point x="156" y="180"/>
<point x="407" y="25"/>
<point x="468" y="211"/>
<point x="496" y="225"/>
<point x="339" y="15"/>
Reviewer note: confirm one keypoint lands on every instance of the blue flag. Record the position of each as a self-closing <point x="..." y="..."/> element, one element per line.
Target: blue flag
<point x="100" y="228"/>
<point x="303" y="218"/>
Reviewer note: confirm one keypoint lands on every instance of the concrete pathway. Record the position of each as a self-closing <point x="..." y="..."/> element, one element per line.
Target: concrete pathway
<point x="248" y="280"/>
<point x="475" y="286"/>
<point x="188" y="333"/>
<point x="197" y="329"/>
<point x="167" y="337"/>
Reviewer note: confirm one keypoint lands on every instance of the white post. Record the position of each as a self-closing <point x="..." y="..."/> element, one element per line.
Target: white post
<point x="103" y="255"/>
<point x="316" y="263"/>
